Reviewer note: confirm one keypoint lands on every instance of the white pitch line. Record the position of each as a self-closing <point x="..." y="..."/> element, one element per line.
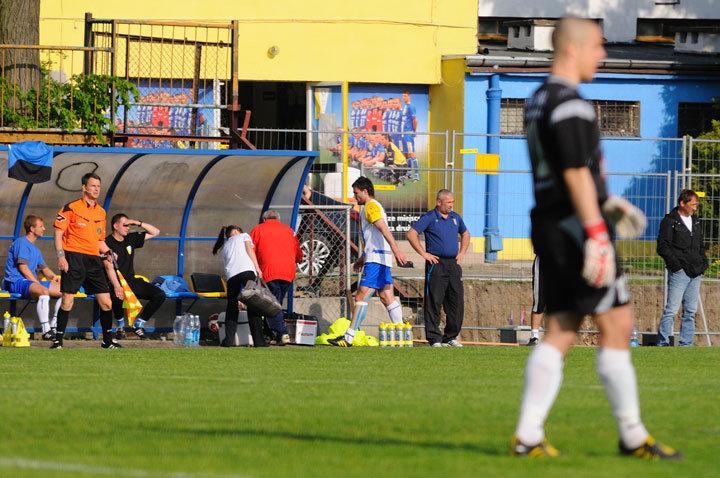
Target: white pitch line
<point x="6" y="462"/>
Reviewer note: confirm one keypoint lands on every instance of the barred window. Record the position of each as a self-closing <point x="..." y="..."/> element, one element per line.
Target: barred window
<point x="618" y="118"/>
<point x="511" y="116"/>
<point x="696" y="118"/>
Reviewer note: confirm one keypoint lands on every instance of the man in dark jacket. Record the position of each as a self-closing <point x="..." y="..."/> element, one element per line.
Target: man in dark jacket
<point x="680" y="244"/>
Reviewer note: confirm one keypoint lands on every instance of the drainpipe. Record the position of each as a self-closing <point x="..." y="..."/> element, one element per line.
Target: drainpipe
<point x="493" y="240"/>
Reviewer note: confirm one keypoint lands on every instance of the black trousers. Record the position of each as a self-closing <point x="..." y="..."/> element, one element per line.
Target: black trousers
<point x="142" y="290"/>
<point x="443" y="288"/>
<point x="234" y="286"/>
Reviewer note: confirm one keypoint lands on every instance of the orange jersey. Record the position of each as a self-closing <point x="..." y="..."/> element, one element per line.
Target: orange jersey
<point x="83" y="226"/>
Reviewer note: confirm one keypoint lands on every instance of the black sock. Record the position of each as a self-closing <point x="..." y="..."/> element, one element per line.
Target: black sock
<point x="62" y="320"/>
<point x="106" y="318"/>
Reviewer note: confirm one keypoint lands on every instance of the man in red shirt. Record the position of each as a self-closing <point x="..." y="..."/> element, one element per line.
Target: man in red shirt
<point x="277" y="251"/>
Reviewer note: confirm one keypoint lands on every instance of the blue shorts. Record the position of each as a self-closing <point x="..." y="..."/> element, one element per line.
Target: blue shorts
<point x="22" y="287"/>
<point x="408" y="143"/>
<point x="375" y="276"/>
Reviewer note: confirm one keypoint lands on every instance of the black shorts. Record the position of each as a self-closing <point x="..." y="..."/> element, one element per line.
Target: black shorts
<point x="84" y="270"/>
<point x="560" y="244"/>
<point x="538" y="306"/>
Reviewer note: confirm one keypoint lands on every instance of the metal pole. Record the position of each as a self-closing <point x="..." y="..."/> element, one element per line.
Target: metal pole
<point x="687" y="155"/>
<point x="348" y="275"/>
<point x="344" y="89"/>
<point x="702" y="312"/>
<point x="451" y="163"/>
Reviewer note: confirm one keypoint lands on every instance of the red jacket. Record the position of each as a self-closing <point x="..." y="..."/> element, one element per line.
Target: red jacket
<point x="277" y="250"/>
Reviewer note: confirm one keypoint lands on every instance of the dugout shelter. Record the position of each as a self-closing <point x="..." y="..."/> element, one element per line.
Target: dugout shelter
<point x="187" y="194"/>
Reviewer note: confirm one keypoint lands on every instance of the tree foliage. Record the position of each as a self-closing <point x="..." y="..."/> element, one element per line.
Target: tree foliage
<point x="706" y="163"/>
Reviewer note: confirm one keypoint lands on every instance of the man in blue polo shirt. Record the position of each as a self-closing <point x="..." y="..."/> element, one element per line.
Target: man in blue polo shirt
<point x="443" y="274"/>
<point x="23" y="261"/>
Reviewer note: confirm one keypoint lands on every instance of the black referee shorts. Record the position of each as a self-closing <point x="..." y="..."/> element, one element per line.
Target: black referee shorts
<point x="86" y="271"/>
<point x="560" y="245"/>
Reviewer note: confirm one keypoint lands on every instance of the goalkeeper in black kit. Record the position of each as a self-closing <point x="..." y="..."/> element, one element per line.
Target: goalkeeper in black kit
<point x="573" y="224"/>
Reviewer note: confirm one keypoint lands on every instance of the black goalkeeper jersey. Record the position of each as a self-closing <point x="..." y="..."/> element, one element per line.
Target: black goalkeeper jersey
<point x="562" y="133"/>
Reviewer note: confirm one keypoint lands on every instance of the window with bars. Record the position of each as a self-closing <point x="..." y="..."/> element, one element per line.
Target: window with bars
<point x="618" y="118"/>
<point x="511" y="116"/>
<point x="615" y="118"/>
<point x="696" y="118"/>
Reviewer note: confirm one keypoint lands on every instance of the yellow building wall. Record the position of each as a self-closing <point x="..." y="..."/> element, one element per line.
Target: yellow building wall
<point x="447" y="101"/>
<point x="372" y="41"/>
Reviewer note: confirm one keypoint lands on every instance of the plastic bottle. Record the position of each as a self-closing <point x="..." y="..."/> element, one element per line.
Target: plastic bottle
<point x="400" y="335"/>
<point x="383" y="334"/>
<point x="634" y="337"/>
<point x="6" y="320"/>
<point x="187" y="325"/>
<point x="13" y="330"/>
<point x="178" y="331"/>
<point x="408" y="335"/>
<point x="391" y="335"/>
<point x="196" y="330"/>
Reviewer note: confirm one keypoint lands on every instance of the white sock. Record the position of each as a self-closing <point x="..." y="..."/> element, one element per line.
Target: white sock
<point x="617" y="374"/>
<point x="395" y="312"/>
<point x="534" y="334"/>
<point x="349" y="335"/>
<point x="543" y="378"/>
<point x="43" y="312"/>
<point x="53" y="322"/>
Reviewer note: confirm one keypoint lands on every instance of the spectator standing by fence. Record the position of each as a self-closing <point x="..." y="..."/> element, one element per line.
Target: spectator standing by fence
<point x="124" y="244"/>
<point x="79" y="242"/>
<point x="277" y="250"/>
<point x="680" y="244"/>
<point x="443" y="271"/>
<point x="23" y="260"/>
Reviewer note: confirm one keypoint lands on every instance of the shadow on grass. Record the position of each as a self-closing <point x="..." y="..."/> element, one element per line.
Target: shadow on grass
<point x="431" y="445"/>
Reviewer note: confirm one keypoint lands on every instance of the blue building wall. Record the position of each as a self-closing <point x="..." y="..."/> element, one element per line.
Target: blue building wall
<point x="636" y="166"/>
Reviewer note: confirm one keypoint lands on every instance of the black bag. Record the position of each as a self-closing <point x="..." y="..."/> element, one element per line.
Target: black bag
<point x="258" y="296"/>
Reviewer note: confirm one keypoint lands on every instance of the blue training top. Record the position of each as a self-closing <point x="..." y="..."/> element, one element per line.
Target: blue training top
<point x="23" y="249"/>
<point x="441" y="234"/>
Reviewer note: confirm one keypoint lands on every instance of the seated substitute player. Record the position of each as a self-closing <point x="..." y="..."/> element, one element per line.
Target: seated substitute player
<point x="124" y="243"/>
<point x="378" y="251"/>
<point x="572" y="226"/>
<point x="23" y="260"/>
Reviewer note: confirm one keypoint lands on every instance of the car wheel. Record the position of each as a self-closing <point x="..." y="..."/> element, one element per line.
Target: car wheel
<point x="321" y="252"/>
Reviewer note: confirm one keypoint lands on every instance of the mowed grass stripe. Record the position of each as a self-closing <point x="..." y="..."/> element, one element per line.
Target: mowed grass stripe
<point x="324" y="411"/>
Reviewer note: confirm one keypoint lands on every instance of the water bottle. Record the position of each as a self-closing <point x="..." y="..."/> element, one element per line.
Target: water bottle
<point x="634" y="337"/>
<point x="178" y="330"/>
<point x="383" y="334"/>
<point x="6" y="320"/>
<point x="408" y="335"/>
<point x="399" y="335"/>
<point x="188" y="326"/>
<point x="13" y="330"/>
<point x="196" y="330"/>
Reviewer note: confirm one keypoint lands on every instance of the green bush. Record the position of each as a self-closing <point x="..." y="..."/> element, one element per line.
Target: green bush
<point x="81" y="103"/>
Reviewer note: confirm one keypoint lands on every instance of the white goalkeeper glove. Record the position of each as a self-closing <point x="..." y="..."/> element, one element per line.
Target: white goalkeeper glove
<point x="630" y="222"/>
<point x="599" y="263"/>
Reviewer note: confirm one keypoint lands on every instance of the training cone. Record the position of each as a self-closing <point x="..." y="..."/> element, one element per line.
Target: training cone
<point x="16" y="335"/>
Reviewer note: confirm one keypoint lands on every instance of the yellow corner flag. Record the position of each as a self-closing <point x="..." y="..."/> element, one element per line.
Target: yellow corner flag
<point x="131" y="302"/>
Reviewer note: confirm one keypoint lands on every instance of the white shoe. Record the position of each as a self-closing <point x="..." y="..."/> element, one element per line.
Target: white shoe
<point x="452" y="343"/>
<point x="437" y="344"/>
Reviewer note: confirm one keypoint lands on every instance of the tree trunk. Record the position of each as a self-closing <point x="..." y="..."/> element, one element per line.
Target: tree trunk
<point x="20" y="25"/>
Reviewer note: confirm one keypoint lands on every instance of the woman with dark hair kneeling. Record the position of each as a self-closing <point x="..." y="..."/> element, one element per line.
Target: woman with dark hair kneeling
<point x="241" y="266"/>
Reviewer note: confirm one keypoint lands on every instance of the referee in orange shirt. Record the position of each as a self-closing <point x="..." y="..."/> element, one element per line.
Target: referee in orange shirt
<point x="79" y="242"/>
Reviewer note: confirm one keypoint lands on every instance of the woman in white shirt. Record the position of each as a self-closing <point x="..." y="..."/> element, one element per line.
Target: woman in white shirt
<point x="241" y="266"/>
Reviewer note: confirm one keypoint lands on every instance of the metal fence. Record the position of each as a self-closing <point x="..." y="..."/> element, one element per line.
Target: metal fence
<point x="46" y="90"/>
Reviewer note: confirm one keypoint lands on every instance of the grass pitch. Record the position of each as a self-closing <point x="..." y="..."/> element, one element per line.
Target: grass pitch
<point x="324" y="411"/>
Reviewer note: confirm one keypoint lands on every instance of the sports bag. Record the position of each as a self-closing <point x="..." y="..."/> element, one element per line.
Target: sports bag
<point x="258" y="296"/>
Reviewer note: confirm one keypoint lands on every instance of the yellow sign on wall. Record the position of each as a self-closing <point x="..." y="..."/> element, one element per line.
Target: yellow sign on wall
<point x="487" y="162"/>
